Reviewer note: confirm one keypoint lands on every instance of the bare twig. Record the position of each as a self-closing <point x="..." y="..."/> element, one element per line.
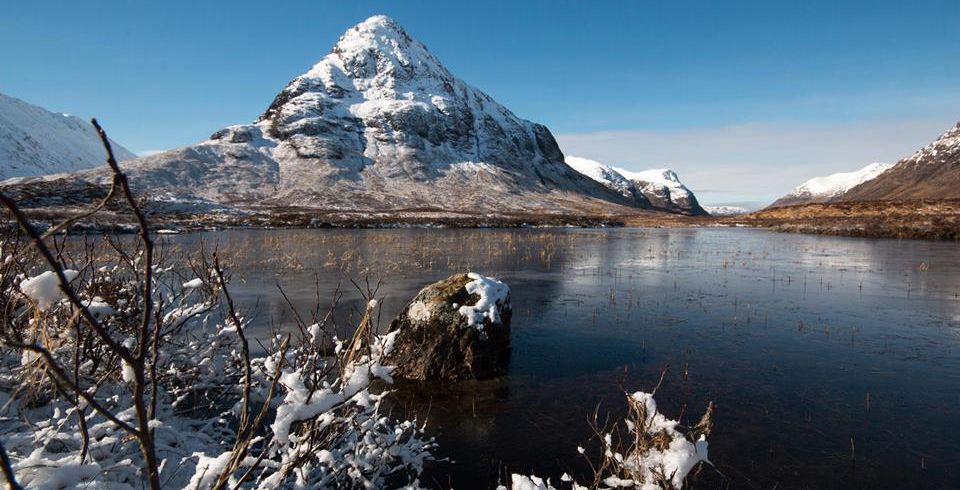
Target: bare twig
<point x="7" y="468"/>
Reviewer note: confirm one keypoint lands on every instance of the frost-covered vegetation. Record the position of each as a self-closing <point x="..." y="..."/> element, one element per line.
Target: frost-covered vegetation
<point x="647" y="451"/>
<point x="122" y="371"/>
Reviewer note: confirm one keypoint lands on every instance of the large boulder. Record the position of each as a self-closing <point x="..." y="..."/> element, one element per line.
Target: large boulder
<point x="454" y="329"/>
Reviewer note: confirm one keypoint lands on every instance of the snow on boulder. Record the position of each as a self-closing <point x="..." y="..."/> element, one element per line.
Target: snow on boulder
<point x="454" y="329"/>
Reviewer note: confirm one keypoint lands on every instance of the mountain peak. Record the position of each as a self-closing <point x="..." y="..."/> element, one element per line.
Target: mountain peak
<point x="380" y="33"/>
<point x="380" y="111"/>
<point x="378" y="23"/>
<point x="947" y="144"/>
<point x="373" y="60"/>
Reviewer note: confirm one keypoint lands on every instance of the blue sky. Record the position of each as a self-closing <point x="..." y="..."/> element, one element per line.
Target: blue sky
<point x="741" y="98"/>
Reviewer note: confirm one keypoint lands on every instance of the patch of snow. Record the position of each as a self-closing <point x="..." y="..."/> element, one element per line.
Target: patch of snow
<point x="99" y="308"/>
<point x="193" y="283"/>
<point x="44" y="289"/>
<point x="494" y="297"/>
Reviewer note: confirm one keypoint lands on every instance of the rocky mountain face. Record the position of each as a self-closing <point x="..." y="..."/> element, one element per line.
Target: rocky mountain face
<point x="609" y="177"/>
<point x="931" y="173"/>
<point x="377" y="124"/>
<point x="35" y="141"/>
<point x="822" y="189"/>
<point x="665" y="191"/>
<point x="660" y="188"/>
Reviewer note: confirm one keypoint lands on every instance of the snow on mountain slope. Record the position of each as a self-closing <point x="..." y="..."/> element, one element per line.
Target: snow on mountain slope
<point x="377" y="124"/>
<point x="660" y="189"/>
<point x="933" y="172"/>
<point x="603" y="174"/>
<point x="664" y="190"/>
<point x="820" y="189"/>
<point x="35" y="141"/>
<point x="725" y="210"/>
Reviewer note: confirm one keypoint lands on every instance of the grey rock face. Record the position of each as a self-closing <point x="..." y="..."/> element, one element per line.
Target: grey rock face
<point x="436" y="341"/>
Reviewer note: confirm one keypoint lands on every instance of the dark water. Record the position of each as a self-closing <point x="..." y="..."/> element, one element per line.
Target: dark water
<point x="835" y="362"/>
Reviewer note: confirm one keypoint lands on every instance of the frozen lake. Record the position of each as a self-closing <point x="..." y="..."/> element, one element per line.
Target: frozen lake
<point x="810" y="346"/>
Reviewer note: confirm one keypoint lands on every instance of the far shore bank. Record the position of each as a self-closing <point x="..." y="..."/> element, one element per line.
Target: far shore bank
<point x="932" y="220"/>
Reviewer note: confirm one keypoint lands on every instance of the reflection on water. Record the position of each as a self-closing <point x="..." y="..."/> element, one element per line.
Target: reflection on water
<point x="804" y="342"/>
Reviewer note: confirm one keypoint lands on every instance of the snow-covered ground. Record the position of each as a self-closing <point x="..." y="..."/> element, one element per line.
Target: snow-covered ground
<point x="35" y="141"/>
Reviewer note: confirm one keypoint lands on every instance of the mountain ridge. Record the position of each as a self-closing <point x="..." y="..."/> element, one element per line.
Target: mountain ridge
<point x="660" y="189"/>
<point x="932" y="172"/>
<point x="35" y="141"/>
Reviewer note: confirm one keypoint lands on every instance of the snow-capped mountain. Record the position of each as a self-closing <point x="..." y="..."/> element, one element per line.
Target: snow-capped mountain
<point x="35" y="141"/>
<point x="607" y="176"/>
<point x="377" y="124"/>
<point x="725" y="210"/>
<point x="820" y="189"/>
<point x="933" y="172"/>
<point x="660" y="188"/>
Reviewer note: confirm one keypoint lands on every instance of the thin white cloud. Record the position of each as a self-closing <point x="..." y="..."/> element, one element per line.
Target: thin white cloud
<point x="755" y="162"/>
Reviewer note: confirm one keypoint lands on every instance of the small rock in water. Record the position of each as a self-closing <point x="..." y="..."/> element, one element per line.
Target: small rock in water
<point x="454" y="329"/>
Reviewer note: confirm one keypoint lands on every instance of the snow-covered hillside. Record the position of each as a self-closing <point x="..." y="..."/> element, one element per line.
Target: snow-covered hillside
<point x="35" y="141"/>
<point x="820" y="189"/>
<point x="660" y="188"/>
<point x="664" y="190"/>
<point x="377" y="124"/>
<point x="603" y="174"/>
<point x="933" y="172"/>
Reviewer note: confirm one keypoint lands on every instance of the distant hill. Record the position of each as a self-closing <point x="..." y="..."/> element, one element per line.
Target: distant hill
<point x="821" y="189"/>
<point x="658" y="188"/>
<point x="35" y="141"/>
<point x="726" y="210"/>
<point x="933" y="172"/>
